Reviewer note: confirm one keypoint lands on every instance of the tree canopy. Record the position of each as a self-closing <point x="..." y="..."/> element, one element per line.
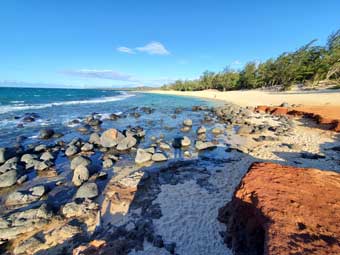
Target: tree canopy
<point x="307" y="65"/>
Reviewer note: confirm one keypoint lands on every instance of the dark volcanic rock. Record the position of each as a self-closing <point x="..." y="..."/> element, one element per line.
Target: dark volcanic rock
<point x="46" y="133"/>
<point x="284" y="210"/>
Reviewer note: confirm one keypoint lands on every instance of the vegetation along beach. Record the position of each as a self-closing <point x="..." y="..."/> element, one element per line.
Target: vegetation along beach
<point x="166" y="158"/>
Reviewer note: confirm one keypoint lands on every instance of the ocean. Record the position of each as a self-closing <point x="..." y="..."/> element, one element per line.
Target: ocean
<point x="56" y="108"/>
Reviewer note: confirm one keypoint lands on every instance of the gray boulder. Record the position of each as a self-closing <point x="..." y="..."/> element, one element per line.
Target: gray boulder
<point x="185" y="141"/>
<point x="26" y="196"/>
<point x="217" y="131"/>
<point x="187" y="122"/>
<point x="80" y="160"/>
<point x="5" y="154"/>
<point x="80" y="175"/>
<point x="110" y="138"/>
<point x="87" y="147"/>
<point x="11" y="164"/>
<point x="200" y="145"/>
<point x="158" y="157"/>
<point x="126" y="143"/>
<point x="47" y="156"/>
<point x="201" y="130"/>
<point x="94" y="138"/>
<point x="8" y="179"/>
<point x="43" y="165"/>
<point x="28" y="158"/>
<point x="23" y="222"/>
<point x="107" y="163"/>
<point x="40" y="148"/>
<point x="142" y="156"/>
<point x="71" y="150"/>
<point x="87" y="190"/>
<point x="46" y="133"/>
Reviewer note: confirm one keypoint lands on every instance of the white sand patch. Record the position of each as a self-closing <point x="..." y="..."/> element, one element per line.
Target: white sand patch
<point x="190" y="219"/>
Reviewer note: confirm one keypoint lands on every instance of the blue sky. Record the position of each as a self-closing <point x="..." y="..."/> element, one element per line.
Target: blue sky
<point x="86" y="43"/>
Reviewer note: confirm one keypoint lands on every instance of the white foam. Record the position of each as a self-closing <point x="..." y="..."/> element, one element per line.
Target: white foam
<point x="7" y="108"/>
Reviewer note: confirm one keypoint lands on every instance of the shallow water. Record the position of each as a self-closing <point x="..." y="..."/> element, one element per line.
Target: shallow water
<point x="56" y="107"/>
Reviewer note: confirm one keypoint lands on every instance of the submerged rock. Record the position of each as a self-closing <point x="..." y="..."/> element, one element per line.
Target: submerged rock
<point x="46" y="133"/>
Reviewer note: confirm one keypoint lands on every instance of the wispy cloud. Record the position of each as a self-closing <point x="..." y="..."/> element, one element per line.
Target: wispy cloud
<point x="117" y="76"/>
<point x="100" y="74"/>
<point x="152" y="48"/>
<point x="126" y="50"/>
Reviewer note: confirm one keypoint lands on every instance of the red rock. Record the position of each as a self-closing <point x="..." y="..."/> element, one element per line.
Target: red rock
<point x="325" y="115"/>
<point x="279" y="111"/>
<point x="261" y="108"/>
<point x="284" y="210"/>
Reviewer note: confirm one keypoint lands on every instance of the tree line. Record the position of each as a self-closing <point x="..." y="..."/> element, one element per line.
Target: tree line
<point x="307" y="65"/>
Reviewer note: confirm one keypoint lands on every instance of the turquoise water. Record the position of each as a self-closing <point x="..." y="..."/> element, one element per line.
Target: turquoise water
<point x="55" y="108"/>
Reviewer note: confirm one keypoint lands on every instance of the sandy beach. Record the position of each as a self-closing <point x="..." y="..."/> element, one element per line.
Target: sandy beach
<point x="264" y="97"/>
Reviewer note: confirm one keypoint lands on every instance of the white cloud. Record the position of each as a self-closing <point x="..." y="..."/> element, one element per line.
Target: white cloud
<point x="100" y="74"/>
<point x="154" y="48"/>
<point x="125" y="50"/>
<point x="236" y="63"/>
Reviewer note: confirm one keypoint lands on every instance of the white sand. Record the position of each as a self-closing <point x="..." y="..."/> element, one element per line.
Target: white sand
<point x="263" y="97"/>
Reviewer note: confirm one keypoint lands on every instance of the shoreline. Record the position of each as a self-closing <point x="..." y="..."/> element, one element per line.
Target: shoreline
<point x="125" y="180"/>
<point x="254" y="98"/>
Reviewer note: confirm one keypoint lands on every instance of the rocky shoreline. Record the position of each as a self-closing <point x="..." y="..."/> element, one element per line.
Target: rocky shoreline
<point x="126" y="191"/>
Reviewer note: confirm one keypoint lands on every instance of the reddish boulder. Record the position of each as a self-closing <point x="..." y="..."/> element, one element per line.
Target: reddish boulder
<point x="284" y="210"/>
